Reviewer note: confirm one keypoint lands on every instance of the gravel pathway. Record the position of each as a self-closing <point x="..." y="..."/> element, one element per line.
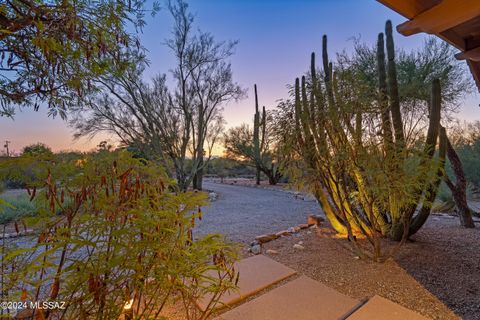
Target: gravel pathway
<point x="242" y="213"/>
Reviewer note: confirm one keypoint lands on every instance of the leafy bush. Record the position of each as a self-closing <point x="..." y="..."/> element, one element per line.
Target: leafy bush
<point x="37" y="149"/>
<point x="122" y="238"/>
<point x="19" y="207"/>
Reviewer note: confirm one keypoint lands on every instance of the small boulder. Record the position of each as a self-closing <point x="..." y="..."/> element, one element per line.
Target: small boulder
<point x="256" y="249"/>
<point x="254" y="242"/>
<point x="291" y="230"/>
<point x="266" y="237"/>
<point x="282" y="233"/>
<point x="303" y="226"/>
<point x="314" y="220"/>
<point x="298" y="246"/>
<point x="212" y="196"/>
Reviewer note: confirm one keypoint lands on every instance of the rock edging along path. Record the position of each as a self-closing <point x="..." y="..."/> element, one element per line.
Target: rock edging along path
<point x="242" y="213"/>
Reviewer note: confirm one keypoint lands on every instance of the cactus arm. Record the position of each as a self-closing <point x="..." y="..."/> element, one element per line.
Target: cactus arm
<point x="430" y="194"/>
<point x="263" y="124"/>
<point x="382" y="96"/>
<point x="256" y="133"/>
<point x="393" y="89"/>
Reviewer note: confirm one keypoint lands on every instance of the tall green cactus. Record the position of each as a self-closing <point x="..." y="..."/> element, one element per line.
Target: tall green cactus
<point x="259" y="132"/>
<point x="366" y="187"/>
<point x="256" y="136"/>
<point x="393" y="89"/>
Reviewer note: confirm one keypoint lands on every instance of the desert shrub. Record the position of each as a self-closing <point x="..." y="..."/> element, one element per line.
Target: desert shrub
<point x="115" y="237"/>
<point x="37" y="149"/>
<point x="19" y="207"/>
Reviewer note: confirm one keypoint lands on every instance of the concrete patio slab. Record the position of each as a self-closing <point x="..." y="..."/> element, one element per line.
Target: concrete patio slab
<point x="302" y="299"/>
<point x="256" y="273"/>
<point x="378" y="308"/>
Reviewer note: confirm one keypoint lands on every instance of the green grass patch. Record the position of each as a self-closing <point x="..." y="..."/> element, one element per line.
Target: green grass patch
<point x="16" y="207"/>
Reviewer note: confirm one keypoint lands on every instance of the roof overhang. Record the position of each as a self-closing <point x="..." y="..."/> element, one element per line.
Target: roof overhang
<point x="455" y="21"/>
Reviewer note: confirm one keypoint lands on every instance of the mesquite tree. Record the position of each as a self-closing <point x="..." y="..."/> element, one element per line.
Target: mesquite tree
<point x="177" y="124"/>
<point x="354" y="157"/>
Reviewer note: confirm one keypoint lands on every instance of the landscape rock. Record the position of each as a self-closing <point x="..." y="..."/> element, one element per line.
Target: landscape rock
<point x="303" y="226"/>
<point x="256" y="249"/>
<point x="291" y="230"/>
<point x="314" y="220"/>
<point x="271" y="251"/>
<point x="212" y="196"/>
<point x="266" y="237"/>
<point x="298" y="246"/>
<point x="282" y="233"/>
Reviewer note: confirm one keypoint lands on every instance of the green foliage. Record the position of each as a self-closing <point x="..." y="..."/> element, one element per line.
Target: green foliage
<point x="19" y="207"/>
<point x="415" y="71"/>
<point x="37" y="149"/>
<point x="465" y="138"/>
<point x="113" y="231"/>
<point x="226" y="167"/>
<point x="53" y="51"/>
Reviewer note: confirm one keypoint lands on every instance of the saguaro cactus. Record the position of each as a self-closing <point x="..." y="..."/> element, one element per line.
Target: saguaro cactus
<point x="368" y="183"/>
<point x="259" y="127"/>
<point x="263" y="157"/>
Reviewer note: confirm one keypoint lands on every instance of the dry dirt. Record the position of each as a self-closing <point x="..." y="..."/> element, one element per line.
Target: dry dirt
<point x="437" y="275"/>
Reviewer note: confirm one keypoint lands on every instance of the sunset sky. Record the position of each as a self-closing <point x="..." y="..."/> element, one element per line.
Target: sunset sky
<point x="275" y="37"/>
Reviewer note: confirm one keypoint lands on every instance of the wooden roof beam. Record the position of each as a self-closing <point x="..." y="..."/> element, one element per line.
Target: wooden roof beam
<point x="473" y="55"/>
<point x="441" y="17"/>
<point x="475" y="69"/>
<point x="407" y="8"/>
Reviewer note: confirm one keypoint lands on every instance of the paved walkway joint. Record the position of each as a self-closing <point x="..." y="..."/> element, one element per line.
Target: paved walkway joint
<point x="256" y="273"/>
<point x="302" y="298"/>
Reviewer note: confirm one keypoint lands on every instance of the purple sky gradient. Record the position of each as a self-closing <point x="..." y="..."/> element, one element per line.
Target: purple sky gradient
<point x="275" y="37"/>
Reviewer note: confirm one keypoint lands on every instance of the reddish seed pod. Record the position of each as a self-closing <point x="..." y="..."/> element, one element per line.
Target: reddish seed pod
<point x="55" y="288"/>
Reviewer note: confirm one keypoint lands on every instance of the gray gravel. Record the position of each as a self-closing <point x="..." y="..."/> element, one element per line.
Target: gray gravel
<point x="242" y="213"/>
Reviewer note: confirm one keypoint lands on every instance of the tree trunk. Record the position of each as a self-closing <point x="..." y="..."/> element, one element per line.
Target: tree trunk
<point x="272" y="180"/>
<point x="459" y="189"/>
<point x="198" y="179"/>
